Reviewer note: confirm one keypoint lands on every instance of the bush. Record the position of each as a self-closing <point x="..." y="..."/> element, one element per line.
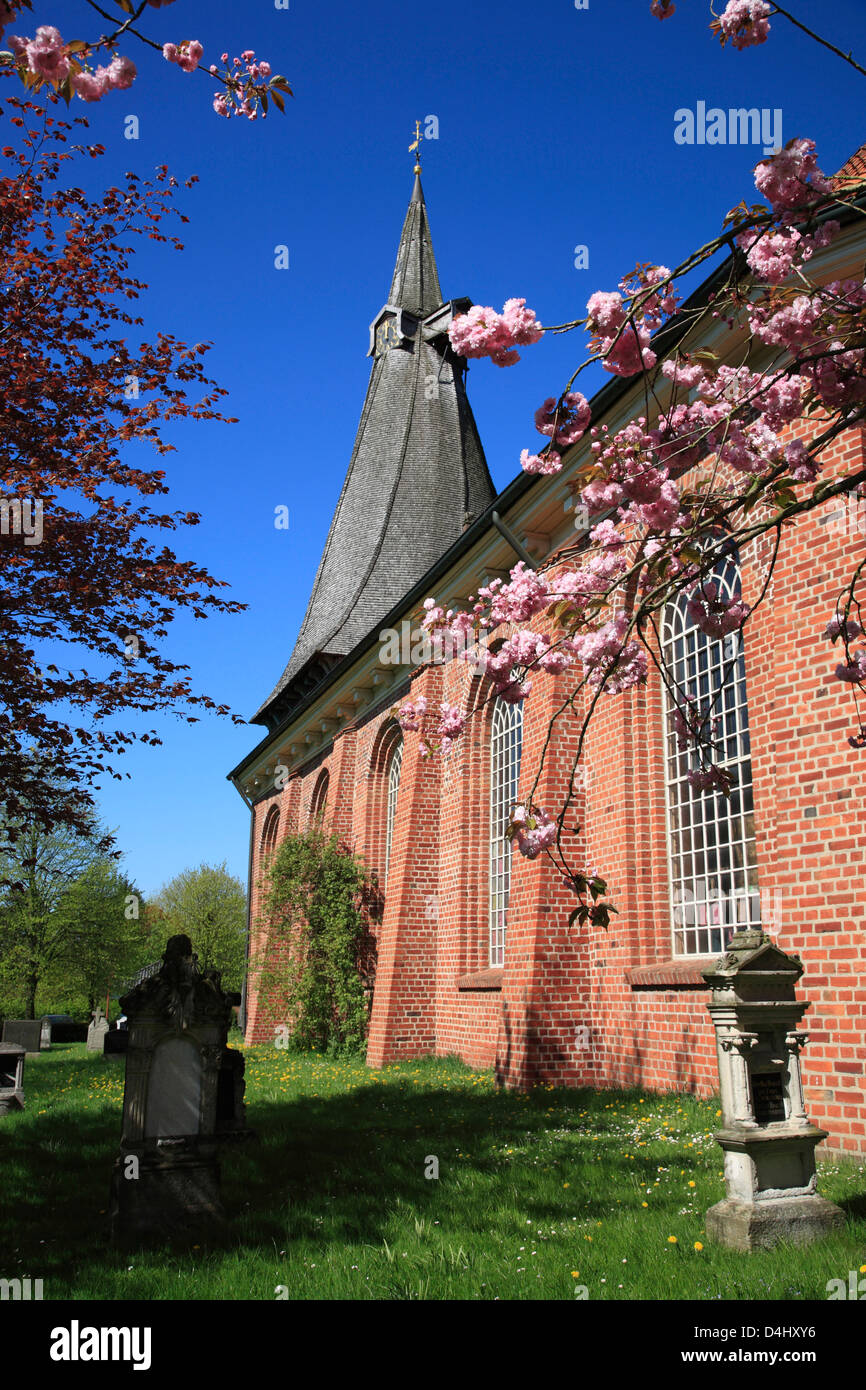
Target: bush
<point x="319" y="955"/>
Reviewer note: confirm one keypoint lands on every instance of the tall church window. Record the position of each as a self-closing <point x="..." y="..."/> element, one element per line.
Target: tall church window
<point x="269" y="834"/>
<point x="711" y="838"/>
<point x="506" y="741"/>
<point x="320" y="798"/>
<point x="395" y="765"/>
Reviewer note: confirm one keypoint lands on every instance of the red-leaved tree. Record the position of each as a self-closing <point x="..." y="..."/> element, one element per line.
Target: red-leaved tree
<point x="82" y="564"/>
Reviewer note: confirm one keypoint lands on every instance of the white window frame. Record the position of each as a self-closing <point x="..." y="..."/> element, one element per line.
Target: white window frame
<point x="395" y="766"/>
<point x="506" y="744"/>
<point x="711" y="845"/>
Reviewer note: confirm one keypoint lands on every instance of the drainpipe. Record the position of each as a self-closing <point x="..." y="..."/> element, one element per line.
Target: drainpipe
<point x="242" y="1016"/>
<point x="519" y="550"/>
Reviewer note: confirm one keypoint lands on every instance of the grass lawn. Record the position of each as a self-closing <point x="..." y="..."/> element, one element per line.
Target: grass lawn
<point x="537" y="1195"/>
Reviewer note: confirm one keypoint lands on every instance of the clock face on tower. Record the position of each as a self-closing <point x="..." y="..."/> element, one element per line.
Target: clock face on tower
<point x="387" y="336"/>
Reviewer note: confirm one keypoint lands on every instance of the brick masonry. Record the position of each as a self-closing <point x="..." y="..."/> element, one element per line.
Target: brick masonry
<point x="584" y="1006"/>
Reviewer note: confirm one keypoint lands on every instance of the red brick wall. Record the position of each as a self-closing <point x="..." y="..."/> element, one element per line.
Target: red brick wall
<point x="584" y="1006"/>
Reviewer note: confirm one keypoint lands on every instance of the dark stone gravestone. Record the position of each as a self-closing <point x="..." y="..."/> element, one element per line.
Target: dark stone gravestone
<point x="26" y="1032"/>
<point x="183" y="1094"/>
<point x="11" y="1077"/>
<point x="116" y="1042"/>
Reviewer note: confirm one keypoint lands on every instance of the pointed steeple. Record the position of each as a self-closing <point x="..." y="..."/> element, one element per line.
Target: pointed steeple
<point x="416" y="478"/>
<point x="415" y="285"/>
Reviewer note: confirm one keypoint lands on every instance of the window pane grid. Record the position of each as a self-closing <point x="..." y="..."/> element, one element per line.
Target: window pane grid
<point x="711" y="838"/>
<point x="394" y="767"/>
<point x="506" y="741"/>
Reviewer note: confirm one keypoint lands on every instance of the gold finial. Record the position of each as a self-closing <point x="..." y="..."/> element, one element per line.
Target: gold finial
<point x="416" y="145"/>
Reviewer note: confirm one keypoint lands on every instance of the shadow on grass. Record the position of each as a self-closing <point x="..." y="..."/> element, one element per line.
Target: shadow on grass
<point x="331" y="1169"/>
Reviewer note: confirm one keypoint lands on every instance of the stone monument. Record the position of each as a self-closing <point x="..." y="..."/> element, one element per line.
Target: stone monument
<point x="11" y="1077"/>
<point x="97" y="1031"/>
<point x="768" y="1140"/>
<point x="26" y="1032"/>
<point x="183" y="1094"/>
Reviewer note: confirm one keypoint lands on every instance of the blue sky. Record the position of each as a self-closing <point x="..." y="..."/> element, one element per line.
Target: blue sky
<point x="555" y="130"/>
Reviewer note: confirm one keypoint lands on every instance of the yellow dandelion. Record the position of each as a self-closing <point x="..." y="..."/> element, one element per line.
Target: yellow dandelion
<point x="672" y="1240"/>
<point x="575" y="1274"/>
<point x="692" y="1182"/>
<point x="698" y="1245"/>
<point x="565" y="1184"/>
<point x="644" y="1204"/>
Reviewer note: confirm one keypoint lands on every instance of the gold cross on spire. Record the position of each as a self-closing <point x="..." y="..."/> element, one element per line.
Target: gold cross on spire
<point x="416" y="145"/>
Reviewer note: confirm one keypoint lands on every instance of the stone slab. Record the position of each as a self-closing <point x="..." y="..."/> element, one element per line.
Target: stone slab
<point x="26" y="1032"/>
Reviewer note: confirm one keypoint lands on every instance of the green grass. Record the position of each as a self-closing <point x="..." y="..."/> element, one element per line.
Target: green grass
<point x="331" y="1201"/>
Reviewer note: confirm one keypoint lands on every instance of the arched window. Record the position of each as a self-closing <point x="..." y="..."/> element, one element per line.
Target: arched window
<point x="269" y="834"/>
<point x="711" y="838"/>
<point x="320" y="798"/>
<point x="395" y="764"/>
<point x="506" y="741"/>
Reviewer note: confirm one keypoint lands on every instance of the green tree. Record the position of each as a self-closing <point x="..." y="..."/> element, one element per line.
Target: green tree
<point x="38" y="935"/>
<point x="105" y="932"/>
<point x="209" y="906"/>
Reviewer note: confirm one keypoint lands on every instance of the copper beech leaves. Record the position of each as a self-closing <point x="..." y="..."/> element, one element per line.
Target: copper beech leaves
<point x="95" y="576"/>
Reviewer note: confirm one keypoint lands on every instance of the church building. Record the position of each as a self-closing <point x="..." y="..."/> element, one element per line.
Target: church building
<point x="475" y="955"/>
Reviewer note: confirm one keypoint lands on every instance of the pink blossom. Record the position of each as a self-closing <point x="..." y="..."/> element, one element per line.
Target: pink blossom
<point x="220" y="104"/>
<point x="264" y="69"/>
<point x="685" y="374"/>
<point x="704" y="779"/>
<point x="745" y="22"/>
<point x="853" y="671"/>
<point x="121" y="72"/>
<point x="630" y="353"/>
<point x="535" y="831"/>
<point x="804" y="468"/>
<point x="169" y="52"/>
<point x="526" y="594"/>
<point x="571" y="418"/>
<point x="791" y="177"/>
<point x="91" y="86"/>
<point x="714" y="615"/>
<point x="481" y="332"/>
<point x="522" y="325"/>
<point x="478" y="332"/>
<point x="46" y="54"/>
<point x="189" y="56"/>
<point x="839" y="627"/>
<point x="606" y="314"/>
<point x="549" y="462"/>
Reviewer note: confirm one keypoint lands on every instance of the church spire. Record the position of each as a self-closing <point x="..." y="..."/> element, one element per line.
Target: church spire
<point x="416" y="478"/>
<point x="415" y="284"/>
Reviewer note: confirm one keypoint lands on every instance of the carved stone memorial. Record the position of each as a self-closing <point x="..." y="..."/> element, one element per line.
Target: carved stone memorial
<point x="768" y="1139"/>
<point x="184" y="1093"/>
<point x="97" y="1031"/>
<point x="11" y="1077"/>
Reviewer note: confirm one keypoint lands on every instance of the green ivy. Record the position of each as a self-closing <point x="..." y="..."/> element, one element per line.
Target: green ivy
<point x="319" y="961"/>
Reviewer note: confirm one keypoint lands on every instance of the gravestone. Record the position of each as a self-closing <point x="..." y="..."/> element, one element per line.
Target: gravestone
<point x="11" y="1077"/>
<point x="26" y="1032"/>
<point x="97" y="1031"/>
<point x="183" y="1094"/>
<point x="768" y="1139"/>
<point x="116" y="1042"/>
<point x="45" y="1035"/>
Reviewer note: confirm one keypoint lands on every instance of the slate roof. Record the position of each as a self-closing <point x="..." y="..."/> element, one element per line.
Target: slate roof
<point x="417" y="476"/>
